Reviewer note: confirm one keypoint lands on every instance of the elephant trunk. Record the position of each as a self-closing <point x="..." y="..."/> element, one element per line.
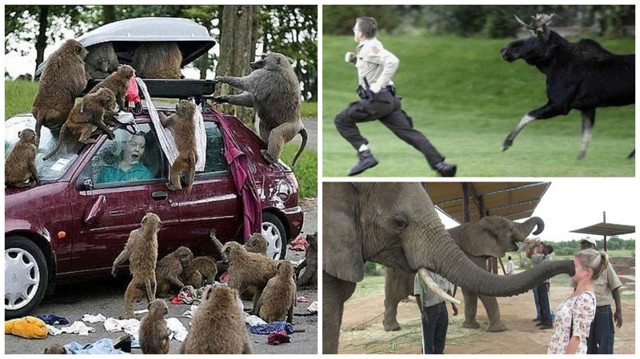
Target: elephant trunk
<point x="522" y="230"/>
<point x="450" y="261"/>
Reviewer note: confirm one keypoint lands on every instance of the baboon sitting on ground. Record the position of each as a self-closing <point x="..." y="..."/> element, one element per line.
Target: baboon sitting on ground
<point x="273" y="89"/>
<point x="77" y="129"/>
<point x="154" y="334"/>
<point x="248" y="269"/>
<point x="202" y="269"/>
<point x="118" y="82"/>
<point x="142" y="251"/>
<point x="279" y="296"/>
<point x="170" y="268"/>
<point x="101" y="61"/>
<point x="218" y="325"/>
<point x="183" y="127"/>
<point x="20" y="165"/>
<point x="157" y="60"/>
<point x="62" y="80"/>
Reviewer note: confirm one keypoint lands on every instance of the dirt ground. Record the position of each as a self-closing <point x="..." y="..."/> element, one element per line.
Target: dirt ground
<point x="362" y="330"/>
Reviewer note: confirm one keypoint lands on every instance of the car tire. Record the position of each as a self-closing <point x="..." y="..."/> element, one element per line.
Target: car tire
<point x="273" y="231"/>
<point x="26" y="276"/>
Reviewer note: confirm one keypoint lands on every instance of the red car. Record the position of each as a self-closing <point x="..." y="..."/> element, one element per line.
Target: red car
<point x="78" y="219"/>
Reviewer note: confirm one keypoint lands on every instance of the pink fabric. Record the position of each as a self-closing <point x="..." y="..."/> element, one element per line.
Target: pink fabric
<point x="132" y="91"/>
<point x="299" y="244"/>
<point x="279" y="337"/>
<point x="242" y="177"/>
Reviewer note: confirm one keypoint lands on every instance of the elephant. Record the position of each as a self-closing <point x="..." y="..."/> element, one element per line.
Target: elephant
<point x="491" y="236"/>
<point x="396" y="225"/>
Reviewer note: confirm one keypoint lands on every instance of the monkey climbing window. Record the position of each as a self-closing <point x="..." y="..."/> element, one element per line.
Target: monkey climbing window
<point x="165" y="136"/>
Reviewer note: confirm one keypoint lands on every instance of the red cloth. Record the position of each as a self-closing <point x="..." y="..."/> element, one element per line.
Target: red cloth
<point x="132" y="91"/>
<point x="242" y="176"/>
<point x="279" y="337"/>
<point x="299" y="244"/>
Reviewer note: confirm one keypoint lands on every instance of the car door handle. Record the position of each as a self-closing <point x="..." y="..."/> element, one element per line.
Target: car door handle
<point x="158" y="195"/>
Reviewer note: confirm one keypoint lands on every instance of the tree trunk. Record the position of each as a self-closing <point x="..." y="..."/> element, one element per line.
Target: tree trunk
<point x="108" y="14"/>
<point x="236" y="29"/>
<point x="41" y="41"/>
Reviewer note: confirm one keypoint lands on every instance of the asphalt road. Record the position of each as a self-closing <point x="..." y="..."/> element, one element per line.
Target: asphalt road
<point x="105" y="295"/>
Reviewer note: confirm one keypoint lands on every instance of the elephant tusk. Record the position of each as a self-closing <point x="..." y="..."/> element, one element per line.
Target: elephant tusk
<point x="434" y="287"/>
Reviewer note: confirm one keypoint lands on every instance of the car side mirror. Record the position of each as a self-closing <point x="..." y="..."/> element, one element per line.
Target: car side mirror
<point x="87" y="184"/>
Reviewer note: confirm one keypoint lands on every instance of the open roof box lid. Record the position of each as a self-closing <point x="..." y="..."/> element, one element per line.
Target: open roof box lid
<point x="192" y="38"/>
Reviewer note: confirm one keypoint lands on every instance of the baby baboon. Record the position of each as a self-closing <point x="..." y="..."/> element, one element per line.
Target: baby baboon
<point x="62" y="80"/>
<point x="154" y="334"/>
<point x="118" y="82"/>
<point x="157" y="60"/>
<point x="184" y="133"/>
<point x="310" y="263"/>
<point x="170" y="268"/>
<point x="279" y="296"/>
<point x="202" y="268"/>
<point x="142" y="251"/>
<point x="248" y="269"/>
<point x="20" y="165"/>
<point x="256" y="243"/>
<point x="78" y="127"/>
<point x="101" y="61"/>
<point x="272" y="88"/>
<point x="56" y="348"/>
<point x="218" y="325"/>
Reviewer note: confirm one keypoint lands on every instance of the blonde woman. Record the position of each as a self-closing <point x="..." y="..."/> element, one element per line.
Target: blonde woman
<point x="575" y="314"/>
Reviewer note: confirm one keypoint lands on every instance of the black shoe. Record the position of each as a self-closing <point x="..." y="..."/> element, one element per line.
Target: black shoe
<point x="537" y="320"/>
<point x="365" y="161"/>
<point x="123" y="343"/>
<point x="539" y="323"/>
<point x="446" y="169"/>
<point x="546" y="327"/>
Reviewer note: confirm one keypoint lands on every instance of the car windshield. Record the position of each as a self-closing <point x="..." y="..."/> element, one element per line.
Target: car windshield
<point x="50" y="170"/>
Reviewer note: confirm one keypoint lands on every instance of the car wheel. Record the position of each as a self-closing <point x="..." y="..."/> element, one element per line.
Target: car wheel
<point x="273" y="232"/>
<point x="25" y="276"/>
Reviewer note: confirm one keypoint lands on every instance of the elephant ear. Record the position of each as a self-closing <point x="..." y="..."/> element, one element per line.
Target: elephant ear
<point x="342" y="241"/>
<point x="480" y="239"/>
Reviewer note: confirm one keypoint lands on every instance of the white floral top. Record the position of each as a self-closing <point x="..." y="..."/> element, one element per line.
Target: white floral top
<point x="582" y="309"/>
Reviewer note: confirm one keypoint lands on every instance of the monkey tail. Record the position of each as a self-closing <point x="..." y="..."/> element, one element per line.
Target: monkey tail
<point x="63" y="130"/>
<point x="193" y="159"/>
<point x="303" y="133"/>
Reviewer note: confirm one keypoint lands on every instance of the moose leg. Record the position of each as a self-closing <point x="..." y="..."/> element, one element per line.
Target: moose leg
<point x="544" y="112"/>
<point x="588" y="119"/>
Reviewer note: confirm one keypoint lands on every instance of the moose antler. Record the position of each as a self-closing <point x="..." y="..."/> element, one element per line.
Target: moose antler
<point x="539" y="25"/>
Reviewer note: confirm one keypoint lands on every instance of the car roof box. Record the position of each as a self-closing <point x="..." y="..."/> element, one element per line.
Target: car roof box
<point x="192" y="38"/>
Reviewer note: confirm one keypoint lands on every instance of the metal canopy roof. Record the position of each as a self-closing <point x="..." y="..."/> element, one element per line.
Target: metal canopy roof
<point x="513" y="200"/>
<point x="606" y="229"/>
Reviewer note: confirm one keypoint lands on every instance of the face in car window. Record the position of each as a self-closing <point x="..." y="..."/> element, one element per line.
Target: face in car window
<point x="128" y="166"/>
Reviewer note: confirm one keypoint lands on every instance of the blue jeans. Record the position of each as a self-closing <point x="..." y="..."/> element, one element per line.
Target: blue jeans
<point x="434" y="333"/>
<point x="535" y="300"/>
<point x="602" y="332"/>
<point x="543" y="300"/>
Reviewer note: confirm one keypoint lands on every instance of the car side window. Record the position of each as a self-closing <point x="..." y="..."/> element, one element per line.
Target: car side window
<point x="133" y="156"/>
<point x="215" y="160"/>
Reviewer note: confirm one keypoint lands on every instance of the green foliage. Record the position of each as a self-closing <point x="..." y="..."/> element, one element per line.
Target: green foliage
<point x="309" y="109"/>
<point x="466" y="100"/>
<point x="373" y="269"/>
<point x="340" y="19"/>
<point x="306" y="169"/>
<point x="18" y="97"/>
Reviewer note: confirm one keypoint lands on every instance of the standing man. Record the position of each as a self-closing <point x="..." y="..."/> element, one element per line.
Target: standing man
<point x="606" y="288"/>
<point x="433" y="310"/>
<point x="509" y="266"/>
<point x="543" y="255"/>
<point x="378" y="101"/>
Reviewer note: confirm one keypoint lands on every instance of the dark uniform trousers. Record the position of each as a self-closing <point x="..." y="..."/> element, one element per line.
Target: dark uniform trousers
<point x="385" y="107"/>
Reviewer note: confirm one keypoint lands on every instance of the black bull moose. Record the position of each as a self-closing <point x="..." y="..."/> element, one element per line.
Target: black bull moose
<point x="580" y="76"/>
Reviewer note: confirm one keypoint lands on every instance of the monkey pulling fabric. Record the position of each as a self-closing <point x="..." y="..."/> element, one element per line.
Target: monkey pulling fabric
<point x="242" y="177"/>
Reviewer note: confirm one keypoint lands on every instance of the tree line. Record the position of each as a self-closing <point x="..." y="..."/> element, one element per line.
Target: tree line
<point x="288" y="29"/>
<point x="490" y="21"/>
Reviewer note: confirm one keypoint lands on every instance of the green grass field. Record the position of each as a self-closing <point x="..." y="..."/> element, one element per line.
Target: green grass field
<point x="19" y="96"/>
<point x="466" y="100"/>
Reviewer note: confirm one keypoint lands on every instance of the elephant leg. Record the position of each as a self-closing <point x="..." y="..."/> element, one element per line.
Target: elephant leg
<point x="493" y="311"/>
<point x="470" y="309"/>
<point x="334" y="293"/>
<point x="398" y="285"/>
